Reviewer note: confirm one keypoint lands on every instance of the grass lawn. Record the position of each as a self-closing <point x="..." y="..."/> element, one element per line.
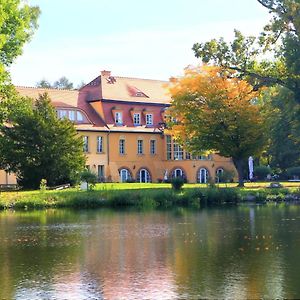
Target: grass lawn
<point x="121" y="192"/>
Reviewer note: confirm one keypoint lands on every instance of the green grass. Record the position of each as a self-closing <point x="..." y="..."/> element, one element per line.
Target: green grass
<point x="144" y="194"/>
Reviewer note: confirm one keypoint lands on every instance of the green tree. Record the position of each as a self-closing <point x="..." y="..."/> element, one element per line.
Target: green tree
<point x="63" y="83"/>
<point x="215" y="112"/>
<point x="281" y="37"/>
<point x="18" y="22"/>
<point x="36" y="145"/>
<point x="45" y="84"/>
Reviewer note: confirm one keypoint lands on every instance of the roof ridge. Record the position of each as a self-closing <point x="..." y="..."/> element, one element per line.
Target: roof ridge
<point x="125" y="77"/>
<point x="41" y="88"/>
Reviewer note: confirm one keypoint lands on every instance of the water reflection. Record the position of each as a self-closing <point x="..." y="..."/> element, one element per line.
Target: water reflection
<point x="244" y="252"/>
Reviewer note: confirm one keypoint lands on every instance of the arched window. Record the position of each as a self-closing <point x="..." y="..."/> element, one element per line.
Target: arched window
<point x="202" y="175"/>
<point x="124" y="175"/>
<point x="219" y="173"/>
<point x="143" y="176"/>
<point x="178" y="173"/>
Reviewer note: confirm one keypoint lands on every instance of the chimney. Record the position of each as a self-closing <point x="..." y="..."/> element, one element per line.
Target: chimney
<point x="105" y="73"/>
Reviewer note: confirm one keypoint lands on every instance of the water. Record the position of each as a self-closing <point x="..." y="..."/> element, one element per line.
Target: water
<point x="243" y="252"/>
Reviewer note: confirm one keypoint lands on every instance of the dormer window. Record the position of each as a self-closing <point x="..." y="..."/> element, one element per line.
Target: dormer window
<point x="149" y="119"/>
<point x="73" y="115"/>
<point x="136" y="119"/>
<point x="118" y="118"/>
<point x="79" y="116"/>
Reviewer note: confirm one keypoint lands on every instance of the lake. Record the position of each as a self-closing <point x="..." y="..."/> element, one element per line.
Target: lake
<point x="235" y="252"/>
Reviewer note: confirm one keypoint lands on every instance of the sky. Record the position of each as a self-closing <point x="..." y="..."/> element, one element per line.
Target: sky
<point x="131" y="38"/>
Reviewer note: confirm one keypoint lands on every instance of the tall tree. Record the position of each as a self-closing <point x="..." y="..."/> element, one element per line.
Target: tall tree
<point x="281" y="37"/>
<point x="36" y="145"/>
<point x="215" y="112"/>
<point x="18" y="22"/>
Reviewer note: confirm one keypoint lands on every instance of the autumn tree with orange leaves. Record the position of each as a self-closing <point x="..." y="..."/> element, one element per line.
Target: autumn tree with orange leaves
<point x="213" y="111"/>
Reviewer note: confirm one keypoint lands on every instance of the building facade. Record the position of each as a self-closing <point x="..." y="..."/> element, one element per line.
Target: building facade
<point x="121" y="121"/>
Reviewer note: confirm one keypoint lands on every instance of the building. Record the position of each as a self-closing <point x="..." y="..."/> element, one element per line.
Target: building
<point x="121" y="122"/>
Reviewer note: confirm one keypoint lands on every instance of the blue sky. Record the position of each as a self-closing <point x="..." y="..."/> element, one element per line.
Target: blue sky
<point x="148" y="39"/>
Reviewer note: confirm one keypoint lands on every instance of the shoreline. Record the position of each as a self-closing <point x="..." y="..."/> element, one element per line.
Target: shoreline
<point x="164" y="197"/>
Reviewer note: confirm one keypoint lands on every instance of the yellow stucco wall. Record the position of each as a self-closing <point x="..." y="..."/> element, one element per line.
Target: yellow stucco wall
<point x="7" y="178"/>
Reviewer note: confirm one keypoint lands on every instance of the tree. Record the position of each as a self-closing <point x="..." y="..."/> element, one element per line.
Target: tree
<point x="45" y="84"/>
<point x="215" y="112"/>
<point x="36" y="145"/>
<point x="281" y="37"/>
<point x="63" y="83"/>
<point x="18" y="22"/>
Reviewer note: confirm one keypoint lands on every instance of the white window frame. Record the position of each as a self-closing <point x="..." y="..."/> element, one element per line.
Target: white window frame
<point x="178" y="151"/>
<point x="149" y="119"/>
<point x="124" y="175"/>
<point x="85" y="143"/>
<point x="100" y="144"/>
<point x="202" y="176"/>
<point x="140" y="147"/>
<point x="169" y="147"/>
<point x="136" y="119"/>
<point x="79" y="116"/>
<point x="118" y="118"/>
<point x="152" y="147"/>
<point x="122" y="146"/>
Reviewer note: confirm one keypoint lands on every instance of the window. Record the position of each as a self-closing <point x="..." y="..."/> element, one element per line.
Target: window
<point x="140" y="145"/>
<point x="101" y="173"/>
<point x="85" y="143"/>
<point x="62" y="114"/>
<point x="219" y="173"/>
<point x="143" y="176"/>
<point x="124" y="175"/>
<point x="149" y="119"/>
<point x="99" y="144"/>
<point x="122" y="146"/>
<point x="187" y="155"/>
<point x="152" y="147"/>
<point x="72" y="115"/>
<point x="202" y="176"/>
<point x="79" y="116"/>
<point x="169" y="147"/>
<point x="136" y="118"/>
<point x="87" y="167"/>
<point x="178" y="151"/>
<point x="178" y="173"/>
<point x="118" y="118"/>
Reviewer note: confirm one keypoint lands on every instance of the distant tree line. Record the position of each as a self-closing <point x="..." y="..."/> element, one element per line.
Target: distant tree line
<point x="62" y="83"/>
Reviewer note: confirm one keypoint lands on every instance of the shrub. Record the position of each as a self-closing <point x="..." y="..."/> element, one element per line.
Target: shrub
<point x="226" y="176"/>
<point x="261" y="172"/>
<point x="177" y="183"/>
<point x="293" y="172"/>
<point x="89" y="177"/>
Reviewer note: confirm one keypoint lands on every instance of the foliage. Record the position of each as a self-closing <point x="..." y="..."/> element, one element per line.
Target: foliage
<point x="18" y="22"/>
<point x="215" y="112"/>
<point x="283" y="149"/>
<point x="36" y="145"/>
<point x="295" y="171"/>
<point x="89" y="177"/>
<point x="45" y="84"/>
<point x="61" y="83"/>
<point x="261" y="172"/>
<point x="226" y="176"/>
<point x="43" y="185"/>
<point x="177" y="183"/>
<point x="246" y="54"/>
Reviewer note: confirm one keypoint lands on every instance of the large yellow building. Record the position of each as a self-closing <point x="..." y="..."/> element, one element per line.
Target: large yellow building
<point x="121" y="122"/>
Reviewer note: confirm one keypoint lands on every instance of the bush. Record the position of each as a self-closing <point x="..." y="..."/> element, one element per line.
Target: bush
<point x="293" y="172"/>
<point x="177" y="183"/>
<point x="261" y="172"/>
<point x="226" y="176"/>
<point x="89" y="177"/>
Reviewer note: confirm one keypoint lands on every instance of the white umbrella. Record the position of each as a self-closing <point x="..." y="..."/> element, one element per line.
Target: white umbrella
<point x="250" y="164"/>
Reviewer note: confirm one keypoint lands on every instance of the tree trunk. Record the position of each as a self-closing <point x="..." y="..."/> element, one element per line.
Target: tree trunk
<point x="239" y="165"/>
